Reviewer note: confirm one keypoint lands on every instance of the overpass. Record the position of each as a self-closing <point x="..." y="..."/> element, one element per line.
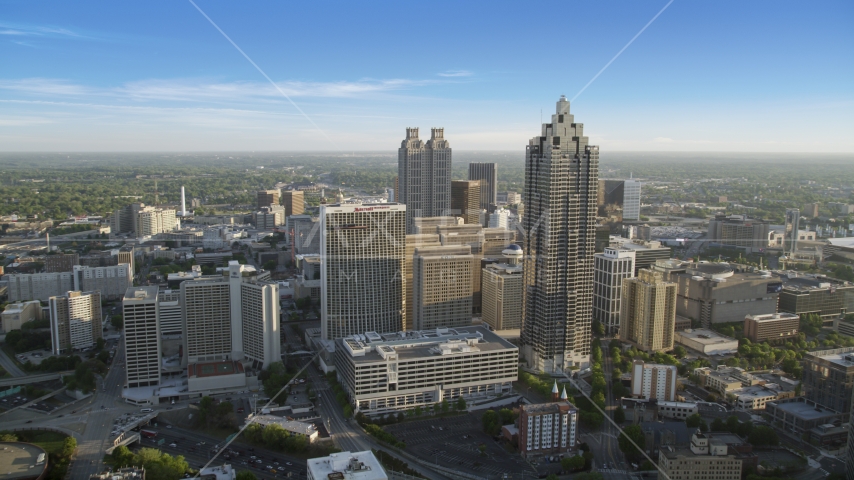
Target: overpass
<point x="43" y="377"/>
<point x="124" y="439"/>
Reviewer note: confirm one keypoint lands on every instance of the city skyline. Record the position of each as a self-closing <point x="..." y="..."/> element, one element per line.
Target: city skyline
<point x="131" y="78"/>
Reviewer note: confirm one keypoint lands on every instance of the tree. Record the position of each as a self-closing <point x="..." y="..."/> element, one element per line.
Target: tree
<point x="719" y="425"/>
<point x="763" y="435"/>
<point x="461" y="404"/>
<point x="117" y="321"/>
<point x="619" y="414"/>
<point x="491" y="422"/>
<point x="696" y="421"/>
<point x="445" y="406"/>
<point x="571" y="464"/>
<point x="121" y="456"/>
<point x="633" y="433"/>
<point x="679" y="352"/>
<point x="246" y="475"/>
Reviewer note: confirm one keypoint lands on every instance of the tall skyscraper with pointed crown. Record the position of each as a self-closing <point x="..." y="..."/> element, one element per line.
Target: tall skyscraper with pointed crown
<point x="424" y="176"/>
<point x="561" y="181"/>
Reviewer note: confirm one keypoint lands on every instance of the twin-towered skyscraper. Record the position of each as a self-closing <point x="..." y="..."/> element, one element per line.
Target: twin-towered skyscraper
<point x="424" y="175"/>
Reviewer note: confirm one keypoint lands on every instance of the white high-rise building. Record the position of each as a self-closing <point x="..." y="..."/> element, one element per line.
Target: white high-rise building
<point x="631" y="200"/>
<point x="142" y="337"/>
<point x="424" y="176"/>
<point x="559" y="224"/>
<point x="609" y="271"/>
<point x="207" y="320"/>
<point x="170" y="314"/>
<point x="259" y="307"/>
<point x="500" y="219"/>
<point x="362" y="250"/>
<point x="75" y="321"/>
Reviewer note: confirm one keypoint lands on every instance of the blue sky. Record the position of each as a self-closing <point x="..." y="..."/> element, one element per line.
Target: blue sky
<point x="764" y="76"/>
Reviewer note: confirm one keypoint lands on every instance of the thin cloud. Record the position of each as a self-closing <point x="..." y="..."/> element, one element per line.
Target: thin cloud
<point x="37" y="31"/>
<point x="456" y="73"/>
<point x="663" y="140"/>
<point x="188" y="90"/>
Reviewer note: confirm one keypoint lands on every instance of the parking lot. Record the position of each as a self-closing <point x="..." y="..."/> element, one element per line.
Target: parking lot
<point x="198" y="450"/>
<point x="455" y="442"/>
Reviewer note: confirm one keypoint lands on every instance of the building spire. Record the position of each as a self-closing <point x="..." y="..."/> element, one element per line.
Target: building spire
<point x="555" y="392"/>
<point x="563" y="394"/>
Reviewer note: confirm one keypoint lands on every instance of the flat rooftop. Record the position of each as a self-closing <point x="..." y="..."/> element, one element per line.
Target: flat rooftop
<point x="844" y="357"/>
<point x="214" y="369"/>
<point x="774" y="317"/>
<point x="347" y="466"/>
<point x="805" y="411"/>
<point x="375" y="347"/>
<point x="704" y="336"/>
<point x="20" y="460"/>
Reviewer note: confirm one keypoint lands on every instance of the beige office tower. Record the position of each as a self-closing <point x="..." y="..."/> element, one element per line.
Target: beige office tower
<point x="268" y="197"/>
<point x="465" y="200"/>
<point x="259" y="315"/>
<point x="442" y="287"/>
<point x="648" y="312"/>
<point x="418" y="240"/>
<point x="126" y="255"/>
<point x="502" y="288"/>
<point x="75" y="321"/>
<point x="362" y="247"/>
<point x="294" y="202"/>
<point x="142" y="337"/>
<point x="424" y="175"/>
<point x="561" y="180"/>
<point x="207" y="320"/>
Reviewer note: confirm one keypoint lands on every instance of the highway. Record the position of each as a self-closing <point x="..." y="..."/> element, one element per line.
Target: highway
<point x="101" y="410"/>
<point x="9" y="365"/>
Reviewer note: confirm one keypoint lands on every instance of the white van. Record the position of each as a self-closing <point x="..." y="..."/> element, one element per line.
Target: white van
<point x="147" y="410"/>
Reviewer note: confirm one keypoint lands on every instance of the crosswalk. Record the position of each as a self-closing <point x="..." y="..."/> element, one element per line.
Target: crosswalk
<point x="613" y="470"/>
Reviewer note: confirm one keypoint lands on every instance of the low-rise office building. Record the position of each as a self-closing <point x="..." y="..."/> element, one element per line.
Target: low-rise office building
<point x="301" y="429"/>
<point x="828" y="378"/>
<point x="384" y="373"/>
<point x="17" y="314"/>
<point x="771" y="327"/>
<point x="724" y="293"/>
<point x="826" y="297"/>
<point x="704" y="459"/>
<point x="706" y="341"/>
<point x="346" y="466"/>
<point x="799" y="415"/>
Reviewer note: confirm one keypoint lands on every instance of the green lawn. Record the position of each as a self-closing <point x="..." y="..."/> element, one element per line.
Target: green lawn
<point x="50" y="441"/>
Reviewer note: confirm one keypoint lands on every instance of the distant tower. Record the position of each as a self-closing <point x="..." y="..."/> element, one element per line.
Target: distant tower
<point x="487" y="173"/>
<point x="424" y="176"/>
<point x="183" y="203"/>
<point x="793" y="219"/>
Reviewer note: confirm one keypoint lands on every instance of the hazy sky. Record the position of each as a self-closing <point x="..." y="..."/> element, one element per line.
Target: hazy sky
<point x="765" y="76"/>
